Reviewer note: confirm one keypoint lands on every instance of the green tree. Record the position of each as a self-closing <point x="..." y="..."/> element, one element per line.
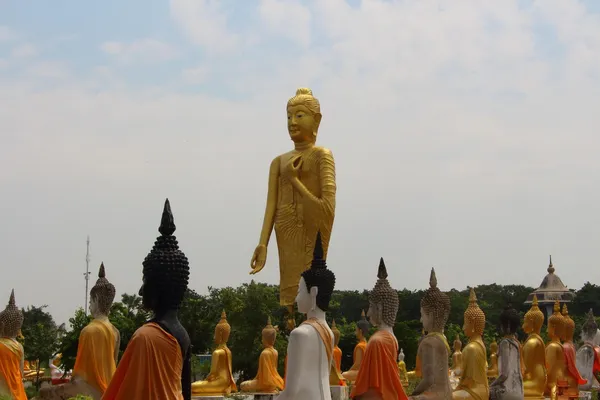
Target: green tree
<point x="70" y="340"/>
<point x="40" y="332"/>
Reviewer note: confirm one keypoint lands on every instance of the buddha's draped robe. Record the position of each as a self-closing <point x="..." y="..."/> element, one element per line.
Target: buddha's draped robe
<point x="267" y="378"/>
<point x="473" y="379"/>
<point x="596" y="359"/>
<point x="95" y="362"/>
<point x="378" y="370"/>
<point x="325" y="336"/>
<point x="11" y="379"/>
<point x="337" y="365"/>
<point x="571" y="369"/>
<point x="220" y="379"/>
<point x="149" y="369"/>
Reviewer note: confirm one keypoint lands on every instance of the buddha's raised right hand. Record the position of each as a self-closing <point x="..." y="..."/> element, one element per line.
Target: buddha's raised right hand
<point x="259" y="259"/>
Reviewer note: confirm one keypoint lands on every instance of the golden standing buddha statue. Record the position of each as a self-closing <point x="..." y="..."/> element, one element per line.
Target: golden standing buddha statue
<point x="335" y="375"/>
<point x="572" y="375"/>
<point x="555" y="354"/>
<point x="457" y="356"/>
<point x="473" y="381"/>
<point x="267" y="378"/>
<point x="300" y="199"/>
<point x="362" y="330"/>
<point x="493" y="366"/>
<point x="534" y="354"/>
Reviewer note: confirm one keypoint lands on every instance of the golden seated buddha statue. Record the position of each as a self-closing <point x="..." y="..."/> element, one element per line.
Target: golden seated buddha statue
<point x="555" y="354"/>
<point x="493" y="366"/>
<point x="534" y="355"/>
<point x="457" y="357"/>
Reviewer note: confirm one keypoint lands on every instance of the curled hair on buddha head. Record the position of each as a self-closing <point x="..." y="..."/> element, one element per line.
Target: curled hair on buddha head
<point x="556" y="320"/>
<point x="509" y="320"/>
<point x="318" y="275"/>
<point x="103" y="292"/>
<point x="166" y="269"/>
<point x="474" y="314"/>
<point x="363" y="324"/>
<point x="436" y="303"/>
<point x="11" y="319"/>
<point x="385" y="296"/>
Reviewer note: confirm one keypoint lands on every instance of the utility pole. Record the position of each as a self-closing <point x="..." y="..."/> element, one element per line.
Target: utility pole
<point x="87" y="274"/>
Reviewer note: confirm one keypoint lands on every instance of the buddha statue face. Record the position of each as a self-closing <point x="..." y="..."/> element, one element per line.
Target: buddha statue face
<point x="269" y="334"/>
<point x="534" y="318"/>
<point x="362" y="327"/>
<point x="374" y="313"/>
<point x="304" y="116"/>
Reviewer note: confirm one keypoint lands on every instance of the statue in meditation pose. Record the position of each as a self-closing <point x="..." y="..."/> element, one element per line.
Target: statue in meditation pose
<point x="534" y="353"/>
<point x="378" y="376"/>
<point x="362" y="330"/>
<point x="335" y="376"/>
<point x="402" y="369"/>
<point x="97" y="351"/>
<point x="493" y="365"/>
<point x="509" y="384"/>
<point x="433" y="351"/>
<point x="156" y="362"/>
<point x="220" y="378"/>
<point x="300" y="199"/>
<point x="555" y="354"/>
<point x="572" y="375"/>
<point x="588" y="355"/>
<point x="11" y="352"/>
<point x="457" y="357"/>
<point x="267" y="379"/>
<point x="473" y="382"/>
<point x="56" y="373"/>
<point x="310" y="345"/>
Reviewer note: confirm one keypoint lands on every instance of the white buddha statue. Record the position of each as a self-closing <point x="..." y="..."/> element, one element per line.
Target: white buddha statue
<point x="310" y="346"/>
<point x="588" y="355"/>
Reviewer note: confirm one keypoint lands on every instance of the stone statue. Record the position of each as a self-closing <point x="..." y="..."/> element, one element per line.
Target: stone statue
<point x="362" y="330"/>
<point x="433" y="352"/>
<point x="574" y="379"/>
<point x="457" y="357"/>
<point x="12" y="358"/>
<point x="310" y="345"/>
<point x="335" y="376"/>
<point x="493" y="365"/>
<point x="555" y="355"/>
<point x="159" y="351"/>
<point x="473" y="380"/>
<point x="97" y="351"/>
<point x="267" y="379"/>
<point x="378" y="376"/>
<point x="402" y="369"/>
<point x="534" y="353"/>
<point x="300" y="199"/>
<point x="509" y="384"/>
<point x="588" y="355"/>
<point x="220" y="379"/>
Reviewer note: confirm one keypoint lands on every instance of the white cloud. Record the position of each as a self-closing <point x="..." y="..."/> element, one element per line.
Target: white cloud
<point x="196" y="76"/>
<point x="288" y="18"/>
<point x="48" y="69"/>
<point x="6" y="34"/>
<point x="144" y="50"/>
<point x="25" y="50"/>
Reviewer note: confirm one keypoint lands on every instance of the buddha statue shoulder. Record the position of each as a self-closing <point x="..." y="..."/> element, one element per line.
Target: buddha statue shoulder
<point x="457" y="356"/>
<point x="572" y="375"/>
<point x="362" y="330"/>
<point x="473" y="382"/>
<point x="588" y="355"/>
<point x="159" y="350"/>
<point x="509" y="383"/>
<point x="300" y="199"/>
<point x="335" y="376"/>
<point x="534" y="353"/>
<point x="378" y="376"/>
<point x="12" y="358"/>
<point x="493" y="364"/>
<point x="555" y="354"/>
<point x="434" y="350"/>
<point x="310" y="345"/>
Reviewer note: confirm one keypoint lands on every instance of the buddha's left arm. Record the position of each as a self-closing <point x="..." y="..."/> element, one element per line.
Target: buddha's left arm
<point x="186" y="376"/>
<point x="326" y="202"/>
<point x="117" y="345"/>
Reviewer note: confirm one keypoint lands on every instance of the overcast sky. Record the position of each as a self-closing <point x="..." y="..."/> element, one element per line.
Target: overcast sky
<point x="465" y="134"/>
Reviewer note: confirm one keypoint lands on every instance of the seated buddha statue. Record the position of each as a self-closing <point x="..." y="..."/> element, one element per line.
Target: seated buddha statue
<point x="335" y="376"/>
<point x="310" y="345"/>
<point x="473" y="382"/>
<point x="509" y="384"/>
<point x="220" y="378"/>
<point x="267" y="378"/>
<point x="11" y="352"/>
<point x="555" y="354"/>
<point x="362" y="330"/>
<point x="456" y="357"/>
<point x="156" y="363"/>
<point x="534" y="353"/>
<point x="588" y="355"/>
<point x="97" y="350"/>
<point x="493" y="364"/>
<point x="402" y="369"/>
<point x="572" y="375"/>
<point x="378" y="376"/>
<point x="434" y="350"/>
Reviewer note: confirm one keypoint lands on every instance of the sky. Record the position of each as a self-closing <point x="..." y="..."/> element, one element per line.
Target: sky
<point x="465" y="135"/>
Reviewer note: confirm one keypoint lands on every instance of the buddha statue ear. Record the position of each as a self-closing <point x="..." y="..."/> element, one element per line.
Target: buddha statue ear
<point x="314" y="291"/>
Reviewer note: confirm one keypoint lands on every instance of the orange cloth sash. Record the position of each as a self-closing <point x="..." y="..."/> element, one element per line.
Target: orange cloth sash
<point x="378" y="370"/>
<point x="596" y="359"/>
<point x="569" y="350"/>
<point x="95" y="361"/>
<point x="11" y="354"/>
<point x="151" y="367"/>
<point x="325" y="336"/>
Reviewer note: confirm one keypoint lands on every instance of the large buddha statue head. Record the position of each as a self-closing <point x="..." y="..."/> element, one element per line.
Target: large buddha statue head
<point x="474" y="318"/>
<point x="457" y="343"/>
<point x="304" y="116"/>
<point x="383" y="302"/>
<point x="11" y="319"/>
<point x="555" y="323"/>
<point x="435" y="307"/>
<point x="102" y="295"/>
<point x="166" y="269"/>
<point x="362" y="327"/>
<point x="569" y="325"/>
<point x="336" y="333"/>
<point x="316" y="283"/>
<point x="269" y="334"/>
<point x="534" y="318"/>
<point x="589" y="328"/>
<point x="222" y="330"/>
<point x="509" y="321"/>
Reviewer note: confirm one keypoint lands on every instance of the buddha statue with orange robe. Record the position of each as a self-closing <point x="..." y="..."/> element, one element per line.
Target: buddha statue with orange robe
<point x="572" y="375"/>
<point x="457" y="356"/>
<point x="555" y="354"/>
<point x="473" y="384"/>
<point x="534" y="353"/>
<point x="493" y="365"/>
<point x="335" y="376"/>
<point x="220" y="378"/>
<point x="156" y="363"/>
<point x="267" y="378"/>
<point x="378" y="376"/>
<point x="11" y="352"/>
<point x="362" y="330"/>
<point x="588" y="355"/>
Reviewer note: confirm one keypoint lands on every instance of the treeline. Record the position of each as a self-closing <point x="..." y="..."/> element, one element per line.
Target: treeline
<point x="248" y="306"/>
